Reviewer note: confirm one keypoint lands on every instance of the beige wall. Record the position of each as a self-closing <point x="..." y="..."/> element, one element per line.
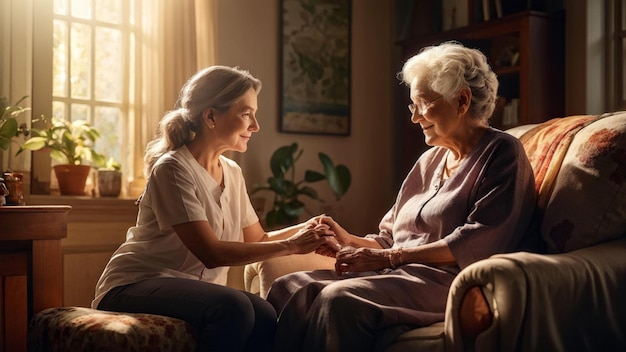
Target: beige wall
<point x="251" y="41"/>
<point x="248" y="36"/>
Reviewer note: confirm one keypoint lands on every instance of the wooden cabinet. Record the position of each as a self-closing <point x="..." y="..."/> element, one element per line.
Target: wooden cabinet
<point x="95" y="228"/>
<point x="527" y="52"/>
<point x="31" y="277"/>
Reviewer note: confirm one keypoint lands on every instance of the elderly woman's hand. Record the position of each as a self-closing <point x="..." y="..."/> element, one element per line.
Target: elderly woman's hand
<point x="350" y="259"/>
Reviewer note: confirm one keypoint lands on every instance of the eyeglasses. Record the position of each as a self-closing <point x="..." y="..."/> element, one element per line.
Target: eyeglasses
<point x="422" y="106"/>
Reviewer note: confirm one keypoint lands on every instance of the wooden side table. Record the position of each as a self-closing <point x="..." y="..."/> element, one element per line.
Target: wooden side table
<point x="31" y="270"/>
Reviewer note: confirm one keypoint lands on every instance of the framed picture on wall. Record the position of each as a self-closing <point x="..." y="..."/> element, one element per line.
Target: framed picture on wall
<point x="315" y="67"/>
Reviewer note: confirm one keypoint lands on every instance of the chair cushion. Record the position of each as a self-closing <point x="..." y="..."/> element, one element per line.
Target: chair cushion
<point x="85" y="329"/>
<point x="588" y="201"/>
<point x="259" y="276"/>
<point x="580" y="173"/>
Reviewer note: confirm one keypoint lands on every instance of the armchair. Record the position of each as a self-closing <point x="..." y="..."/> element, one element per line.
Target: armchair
<point x="570" y="296"/>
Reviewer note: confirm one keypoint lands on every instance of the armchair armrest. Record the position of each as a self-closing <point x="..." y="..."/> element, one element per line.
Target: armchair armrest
<point x="568" y="301"/>
<point x="259" y="276"/>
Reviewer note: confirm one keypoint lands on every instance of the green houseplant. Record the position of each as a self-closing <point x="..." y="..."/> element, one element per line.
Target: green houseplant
<point x="9" y="127"/>
<point x="71" y="143"/>
<point x="286" y="206"/>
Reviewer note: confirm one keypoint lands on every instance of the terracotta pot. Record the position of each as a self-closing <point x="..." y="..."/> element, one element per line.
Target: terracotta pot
<point x="72" y="178"/>
<point x="109" y="183"/>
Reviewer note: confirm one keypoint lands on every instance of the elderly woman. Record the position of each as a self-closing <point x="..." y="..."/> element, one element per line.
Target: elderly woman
<point x="469" y="197"/>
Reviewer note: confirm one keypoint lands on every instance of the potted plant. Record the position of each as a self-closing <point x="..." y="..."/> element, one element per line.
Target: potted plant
<point x="70" y="143"/>
<point x="287" y="207"/>
<point x="110" y="178"/>
<point x="9" y="127"/>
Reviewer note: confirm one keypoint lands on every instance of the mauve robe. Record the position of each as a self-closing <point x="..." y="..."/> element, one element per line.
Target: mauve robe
<point x="484" y="208"/>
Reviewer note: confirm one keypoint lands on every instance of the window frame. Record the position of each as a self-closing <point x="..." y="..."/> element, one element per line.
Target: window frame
<point x="43" y="26"/>
<point x="127" y="32"/>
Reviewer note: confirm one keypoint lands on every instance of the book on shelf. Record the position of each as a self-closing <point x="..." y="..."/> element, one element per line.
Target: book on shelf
<point x="498" y="4"/>
<point x="492" y="9"/>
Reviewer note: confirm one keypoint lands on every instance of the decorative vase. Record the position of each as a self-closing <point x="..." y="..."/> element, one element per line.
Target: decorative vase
<point x="109" y="183"/>
<point x="72" y="178"/>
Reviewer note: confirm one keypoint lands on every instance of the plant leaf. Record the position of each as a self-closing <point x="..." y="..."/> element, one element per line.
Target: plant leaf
<point x="338" y="177"/>
<point x="294" y="209"/>
<point x="309" y="192"/>
<point x="344" y="180"/>
<point x="8" y="129"/>
<point x="34" y="143"/>
<point x="313" y="176"/>
<point x="277" y="185"/>
<point x="282" y="159"/>
<point x="325" y="159"/>
<point x="4" y="142"/>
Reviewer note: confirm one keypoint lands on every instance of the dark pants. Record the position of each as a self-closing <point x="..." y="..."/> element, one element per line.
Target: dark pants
<point x="225" y="319"/>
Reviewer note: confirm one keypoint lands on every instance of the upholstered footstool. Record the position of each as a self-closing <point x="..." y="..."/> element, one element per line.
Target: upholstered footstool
<point x="85" y="329"/>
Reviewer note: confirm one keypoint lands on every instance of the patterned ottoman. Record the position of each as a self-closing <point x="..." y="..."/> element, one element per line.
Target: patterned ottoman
<point x="86" y="329"/>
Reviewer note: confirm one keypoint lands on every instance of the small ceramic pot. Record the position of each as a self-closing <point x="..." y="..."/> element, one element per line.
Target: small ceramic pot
<point x="109" y="183"/>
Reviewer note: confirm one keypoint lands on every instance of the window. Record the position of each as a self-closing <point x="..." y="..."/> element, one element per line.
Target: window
<point x="616" y="50"/>
<point x="91" y="40"/>
<point x="106" y="61"/>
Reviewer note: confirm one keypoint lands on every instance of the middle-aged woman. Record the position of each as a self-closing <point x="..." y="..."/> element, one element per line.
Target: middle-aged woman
<point x="195" y="220"/>
<point x="470" y="196"/>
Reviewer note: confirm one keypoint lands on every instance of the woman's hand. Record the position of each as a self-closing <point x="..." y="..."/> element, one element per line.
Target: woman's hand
<point x="331" y="245"/>
<point x="350" y="259"/>
<point x="342" y="236"/>
<point x="310" y="237"/>
<point x="329" y="248"/>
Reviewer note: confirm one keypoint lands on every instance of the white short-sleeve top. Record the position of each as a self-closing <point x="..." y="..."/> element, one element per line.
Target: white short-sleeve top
<point x="178" y="191"/>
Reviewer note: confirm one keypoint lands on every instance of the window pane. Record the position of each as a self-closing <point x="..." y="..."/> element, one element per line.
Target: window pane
<point x="80" y="52"/>
<point x="58" y="110"/>
<point x="109" y="11"/>
<point x="108" y="65"/>
<point x="79" y="112"/>
<point x="81" y="8"/>
<point x="132" y="20"/>
<point x="108" y="124"/>
<point x="60" y="7"/>
<point x="59" y="59"/>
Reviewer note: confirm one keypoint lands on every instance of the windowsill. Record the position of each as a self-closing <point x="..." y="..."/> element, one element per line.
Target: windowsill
<point x="90" y="209"/>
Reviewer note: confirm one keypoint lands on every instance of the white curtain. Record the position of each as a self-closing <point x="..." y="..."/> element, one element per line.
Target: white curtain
<point x="178" y="40"/>
<point x="16" y="55"/>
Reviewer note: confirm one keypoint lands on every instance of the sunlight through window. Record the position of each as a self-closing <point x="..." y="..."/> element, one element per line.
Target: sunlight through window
<point x="91" y="39"/>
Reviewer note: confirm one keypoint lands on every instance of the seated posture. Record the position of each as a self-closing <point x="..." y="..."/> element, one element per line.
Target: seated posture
<point x="470" y="196"/>
<point x="195" y="219"/>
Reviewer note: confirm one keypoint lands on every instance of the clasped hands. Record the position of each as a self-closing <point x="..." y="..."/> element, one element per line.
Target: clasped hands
<point x="312" y="235"/>
<point x="330" y="236"/>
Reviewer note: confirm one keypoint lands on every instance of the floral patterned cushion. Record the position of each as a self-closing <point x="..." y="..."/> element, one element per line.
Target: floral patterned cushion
<point x="580" y="169"/>
<point x="85" y="329"/>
